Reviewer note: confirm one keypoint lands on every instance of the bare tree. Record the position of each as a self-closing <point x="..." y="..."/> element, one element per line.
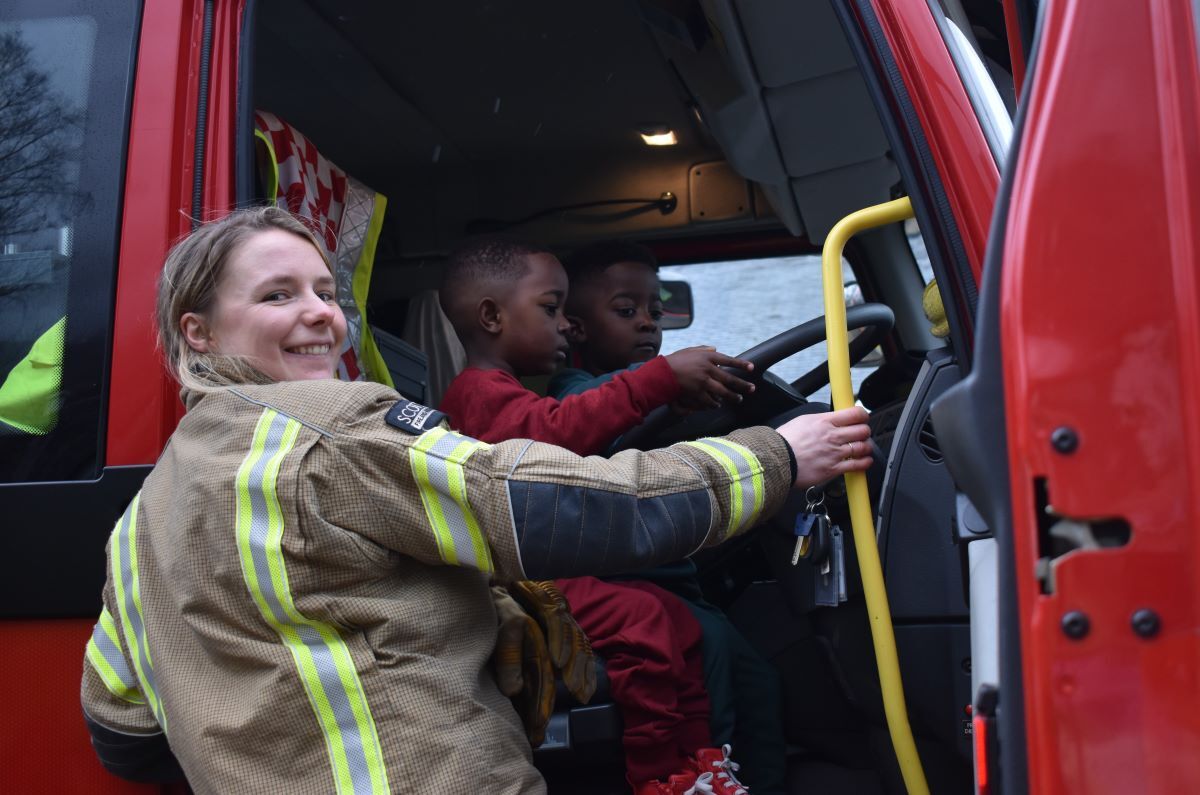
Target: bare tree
<point x="39" y="140"/>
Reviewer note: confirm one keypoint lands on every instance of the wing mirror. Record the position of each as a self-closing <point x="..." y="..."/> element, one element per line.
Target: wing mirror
<point x="677" y="304"/>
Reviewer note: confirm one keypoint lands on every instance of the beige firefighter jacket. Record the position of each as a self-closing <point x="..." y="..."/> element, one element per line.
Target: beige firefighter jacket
<point x="298" y="597"/>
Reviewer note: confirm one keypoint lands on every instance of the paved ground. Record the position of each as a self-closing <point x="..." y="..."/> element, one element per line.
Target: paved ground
<point x="739" y="304"/>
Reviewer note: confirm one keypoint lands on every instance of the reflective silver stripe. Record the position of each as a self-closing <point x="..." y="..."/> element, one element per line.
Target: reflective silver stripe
<point x="260" y="516"/>
<point x="437" y="460"/>
<point x="747" y="490"/>
<point x="129" y="599"/>
<point x="322" y="660"/>
<point x="104" y="654"/>
<point x="745" y="474"/>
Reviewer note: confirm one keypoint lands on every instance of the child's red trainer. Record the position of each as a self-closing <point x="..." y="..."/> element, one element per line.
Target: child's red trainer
<point x="716" y="762"/>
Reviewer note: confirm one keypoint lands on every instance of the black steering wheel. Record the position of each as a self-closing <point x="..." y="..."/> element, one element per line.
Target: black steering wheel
<point x="878" y="319"/>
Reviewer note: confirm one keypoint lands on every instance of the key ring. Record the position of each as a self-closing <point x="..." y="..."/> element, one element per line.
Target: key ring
<point x="814" y="502"/>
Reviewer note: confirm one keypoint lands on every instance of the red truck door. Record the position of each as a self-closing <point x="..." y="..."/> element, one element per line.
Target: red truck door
<point x="1077" y="434"/>
<point x="99" y="154"/>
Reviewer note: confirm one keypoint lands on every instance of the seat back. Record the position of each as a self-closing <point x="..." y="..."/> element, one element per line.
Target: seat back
<point x="345" y="215"/>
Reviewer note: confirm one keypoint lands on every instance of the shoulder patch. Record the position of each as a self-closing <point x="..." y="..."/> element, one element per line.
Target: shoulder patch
<point x="412" y="417"/>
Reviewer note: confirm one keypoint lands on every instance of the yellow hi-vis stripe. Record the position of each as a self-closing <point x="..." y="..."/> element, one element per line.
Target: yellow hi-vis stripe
<point x="746" y="486"/>
<point x="437" y="463"/>
<point x="320" y="654"/>
<point x="106" y="658"/>
<point x="123" y="550"/>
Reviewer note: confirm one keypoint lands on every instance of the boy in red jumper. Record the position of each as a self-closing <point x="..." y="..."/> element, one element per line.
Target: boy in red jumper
<point x="505" y="300"/>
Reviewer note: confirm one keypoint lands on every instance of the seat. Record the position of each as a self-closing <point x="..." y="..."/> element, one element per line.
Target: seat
<point x="582" y="730"/>
<point x="427" y="328"/>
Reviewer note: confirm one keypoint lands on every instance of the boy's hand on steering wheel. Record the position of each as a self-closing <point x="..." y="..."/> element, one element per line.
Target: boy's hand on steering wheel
<point x="828" y="444"/>
<point x="702" y="382"/>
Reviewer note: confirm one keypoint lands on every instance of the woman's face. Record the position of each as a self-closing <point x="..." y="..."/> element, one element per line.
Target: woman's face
<point x="275" y="306"/>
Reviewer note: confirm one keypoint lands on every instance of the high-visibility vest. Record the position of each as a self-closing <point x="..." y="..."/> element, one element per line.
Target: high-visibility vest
<point x="29" y="395"/>
<point x="346" y="217"/>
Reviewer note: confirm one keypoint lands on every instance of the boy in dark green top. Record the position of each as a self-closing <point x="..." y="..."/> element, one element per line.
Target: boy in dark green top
<point x="614" y="309"/>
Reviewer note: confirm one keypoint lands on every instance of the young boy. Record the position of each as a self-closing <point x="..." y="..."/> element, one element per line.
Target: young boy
<point x="613" y="308"/>
<point x="505" y="300"/>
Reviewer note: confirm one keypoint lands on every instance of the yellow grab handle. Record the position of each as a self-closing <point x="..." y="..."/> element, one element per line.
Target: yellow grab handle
<point x="856" y="487"/>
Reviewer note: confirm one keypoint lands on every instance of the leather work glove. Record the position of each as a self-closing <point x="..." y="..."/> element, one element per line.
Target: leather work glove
<point x="570" y="651"/>
<point x="522" y="665"/>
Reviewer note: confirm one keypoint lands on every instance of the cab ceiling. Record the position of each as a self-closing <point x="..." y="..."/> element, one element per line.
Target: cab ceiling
<point x="461" y="112"/>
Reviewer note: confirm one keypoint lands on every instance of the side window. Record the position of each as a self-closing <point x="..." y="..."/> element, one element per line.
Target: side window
<point x="739" y="304"/>
<point x="984" y="70"/>
<point x="65" y="77"/>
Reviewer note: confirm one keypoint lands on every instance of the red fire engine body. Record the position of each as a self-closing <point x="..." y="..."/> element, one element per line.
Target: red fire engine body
<point x="1077" y="300"/>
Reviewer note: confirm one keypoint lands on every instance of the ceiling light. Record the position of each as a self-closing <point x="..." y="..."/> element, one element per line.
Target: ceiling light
<point x="658" y="136"/>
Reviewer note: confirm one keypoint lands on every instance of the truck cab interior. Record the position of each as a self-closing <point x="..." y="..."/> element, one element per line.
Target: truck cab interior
<point x="536" y="119"/>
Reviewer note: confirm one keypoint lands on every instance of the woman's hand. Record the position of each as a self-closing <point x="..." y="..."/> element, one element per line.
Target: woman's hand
<point x="829" y="444"/>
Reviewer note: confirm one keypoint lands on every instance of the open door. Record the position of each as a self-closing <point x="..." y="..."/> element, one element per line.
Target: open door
<point x="1076" y="435"/>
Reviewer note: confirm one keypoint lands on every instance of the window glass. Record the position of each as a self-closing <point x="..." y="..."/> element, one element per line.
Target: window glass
<point x="989" y="106"/>
<point x="62" y="109"/>
<point x="982" y="80"/>
<point x="917" y="243"/>
<point x="740" y="304"/>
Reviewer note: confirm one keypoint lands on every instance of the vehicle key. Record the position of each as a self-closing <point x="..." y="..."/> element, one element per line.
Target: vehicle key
<point x="803" y="531"/>
<point x="819" y="553"/>
<point x="805" y="522"/>
<point x="826" y="581"/>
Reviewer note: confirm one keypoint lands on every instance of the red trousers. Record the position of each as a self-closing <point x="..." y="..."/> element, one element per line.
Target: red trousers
<point x="651" y="645"/>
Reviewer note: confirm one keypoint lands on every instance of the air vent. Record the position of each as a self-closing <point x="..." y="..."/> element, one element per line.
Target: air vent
<point x="928" y="441"/>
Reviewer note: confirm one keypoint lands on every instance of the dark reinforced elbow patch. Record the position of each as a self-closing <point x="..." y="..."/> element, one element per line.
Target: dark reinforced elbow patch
<point x="570" y="531"/>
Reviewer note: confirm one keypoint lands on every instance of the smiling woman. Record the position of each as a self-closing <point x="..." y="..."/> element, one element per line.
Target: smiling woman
<point x="275" y="305"/>
<point x="253" y="300"/>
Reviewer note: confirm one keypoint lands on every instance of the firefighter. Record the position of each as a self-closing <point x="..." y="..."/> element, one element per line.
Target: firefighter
<point x="298" y="598"/>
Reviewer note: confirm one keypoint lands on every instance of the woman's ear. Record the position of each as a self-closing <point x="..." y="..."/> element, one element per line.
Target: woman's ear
<point x="195" y="332"/>
<point x="489" y="315"/>
<point x="576" y="335"/>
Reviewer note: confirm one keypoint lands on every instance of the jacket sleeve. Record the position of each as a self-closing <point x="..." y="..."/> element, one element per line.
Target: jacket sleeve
<point x="524" y="510"/>
<point x="125" y="735"/>
<point x="584" y="423"/>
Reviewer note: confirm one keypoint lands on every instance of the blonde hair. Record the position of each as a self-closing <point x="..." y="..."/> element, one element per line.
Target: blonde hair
<point x="188" y="283"/>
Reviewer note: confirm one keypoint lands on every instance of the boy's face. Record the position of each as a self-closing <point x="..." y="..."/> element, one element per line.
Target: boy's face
<point x="616" y="323"/>
<point x="533" y="338"/>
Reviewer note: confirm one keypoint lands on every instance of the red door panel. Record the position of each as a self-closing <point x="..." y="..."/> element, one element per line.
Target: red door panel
<point x="1100" y="328"/>
<point x="143" y="402"/>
